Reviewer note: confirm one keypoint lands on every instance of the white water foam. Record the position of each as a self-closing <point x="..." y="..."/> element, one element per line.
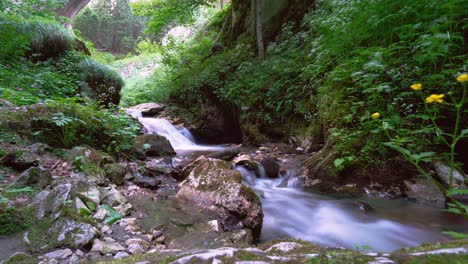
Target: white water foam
<point x="180" y="138"/>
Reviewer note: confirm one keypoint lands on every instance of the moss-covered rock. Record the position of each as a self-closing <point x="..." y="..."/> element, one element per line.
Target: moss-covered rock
<point x="151" y="145"/>
<point x="115" y="173"/>
<point x="212" y="184"/>
<point x="33" y="177"/>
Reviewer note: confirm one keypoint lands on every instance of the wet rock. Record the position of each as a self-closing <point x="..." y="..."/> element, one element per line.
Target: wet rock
<point x="48" y="204"/>
<point x="248" y="162"/>
<point x="148" y="109"/>
<point x="284" y="247"/>
<point x="227" y="154"/>
<point x="59" y="254"/>
<point x="34" y="176"/>
<point x="115" y="173"/>
<point x="212" y="184"/>
<point x="112" y="196"/>
<point x="151" y="145"/>
<point x="269" y="164"/>
<point x="147" y="182"/>
<point x="364" y="207"/>
<point x="443" y="173"/>
<point x="106" y="247"/>
<point x="425" y="191"/>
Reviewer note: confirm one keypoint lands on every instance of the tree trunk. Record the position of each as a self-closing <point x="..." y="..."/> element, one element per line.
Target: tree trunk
<point x="259" y="29"/>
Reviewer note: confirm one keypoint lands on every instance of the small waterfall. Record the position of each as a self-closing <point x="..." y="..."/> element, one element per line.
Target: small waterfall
<point x="180" y="139"/>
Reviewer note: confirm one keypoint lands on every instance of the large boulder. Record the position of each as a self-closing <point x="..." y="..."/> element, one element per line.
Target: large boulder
<point x="443" y="173"/>
<point x="115" y="173"/>
<point x="269" y="164"/>
<point x="63" y="233"/>
<point x="148" y="109"/>
<point x="213" y="185"/>
<point x="151" y="145"/>
<point x="19" y="160"/>
<point x="48" y="204"/>
<point x="425" y="191"/>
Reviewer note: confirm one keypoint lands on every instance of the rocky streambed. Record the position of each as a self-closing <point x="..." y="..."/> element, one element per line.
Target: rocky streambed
<point x="186" y="203"/>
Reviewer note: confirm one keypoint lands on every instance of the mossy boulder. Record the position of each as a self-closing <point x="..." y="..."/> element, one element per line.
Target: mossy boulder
<point x="213" y="184"/>
<point x="115" y="173"/>
<point x="34" y="176"/>
<point x="90" y="155"/>
<point x="151" y="145"/>
<point x="19" y="160"/>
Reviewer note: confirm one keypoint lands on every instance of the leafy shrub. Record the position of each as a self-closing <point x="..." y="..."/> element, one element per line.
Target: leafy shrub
<point x="68" y="123"/>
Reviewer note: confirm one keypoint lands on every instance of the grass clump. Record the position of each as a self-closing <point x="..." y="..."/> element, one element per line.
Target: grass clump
<point x="104" y="82"/>
<point x="48" y="39"/>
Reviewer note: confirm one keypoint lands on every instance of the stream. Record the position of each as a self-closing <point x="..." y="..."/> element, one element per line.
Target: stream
<point x="335" y="222"/>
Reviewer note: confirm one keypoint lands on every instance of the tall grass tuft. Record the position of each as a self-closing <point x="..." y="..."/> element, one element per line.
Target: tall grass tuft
<point x="48" y="39"/>
<point x="104" y="82"/>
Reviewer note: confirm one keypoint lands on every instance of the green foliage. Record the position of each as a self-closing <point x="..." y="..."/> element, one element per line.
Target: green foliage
<point x="113" y="216"/>
<point x="111" y="26"/>
<point x="164" y="12"/>
<point x="68" y="123"/>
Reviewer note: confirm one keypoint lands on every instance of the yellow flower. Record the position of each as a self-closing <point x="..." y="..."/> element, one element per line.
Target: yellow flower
<point x="416" y="86"/>
<point x="435" y="98"/>
<point x="375" y="115"/>
<point x="462" y="77"/>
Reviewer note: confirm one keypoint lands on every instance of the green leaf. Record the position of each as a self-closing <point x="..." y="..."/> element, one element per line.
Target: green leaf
<point x="91" y="206"/>
<point x="113" y="216"/>
<point x="457" y="192"/>
<point x="455" y="235"/>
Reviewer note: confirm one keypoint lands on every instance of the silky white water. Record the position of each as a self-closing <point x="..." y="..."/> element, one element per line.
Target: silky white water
<point x="180" y="138"/>
<point x="291" y="212"/>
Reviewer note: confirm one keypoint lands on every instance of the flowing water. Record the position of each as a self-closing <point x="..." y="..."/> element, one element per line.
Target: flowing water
<point x="291" y="212"/>
<point x="181" y="139"/>
<point x="393" y="224"/>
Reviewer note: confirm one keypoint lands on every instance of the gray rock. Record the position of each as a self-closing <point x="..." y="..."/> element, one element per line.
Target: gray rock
<point x="147" y="182"/>
<point x="425" y="191"/>
<point x="142" y="243"/>
<point x="115" y="173"/>
<point x="34" y="176"/>
<point x="269" y="164"/>
<point x="20" y="160"/>
<point x="59" y="254"/>
<point x="148" y="109"/>
<point x="212" y="184"/>
<point x="135" y="249"/>
<point x="71" y="233"/>
<point x="87" y="191"/>
<point x="106" y="247"/>
<point x="112" y="197"/>
<point x="48" y="204"/>
<point x="158" y="146"/>
<point x="443" y="172"/>
<point x="120" y="255"/>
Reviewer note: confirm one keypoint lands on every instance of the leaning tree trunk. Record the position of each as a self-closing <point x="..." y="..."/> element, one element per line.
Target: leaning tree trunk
<point x="259" y="29"/>
<point x="71" y="9"/>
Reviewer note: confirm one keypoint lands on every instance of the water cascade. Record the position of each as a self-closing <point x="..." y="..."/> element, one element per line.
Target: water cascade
<point x="180" y="138"/>
<point x="393" y="224"/>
